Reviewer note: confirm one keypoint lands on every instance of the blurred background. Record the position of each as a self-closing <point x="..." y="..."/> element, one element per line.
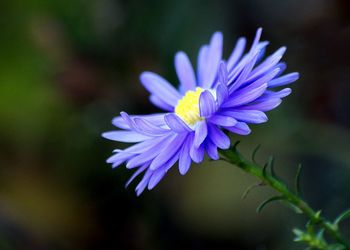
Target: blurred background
<point x="68" y="67"/>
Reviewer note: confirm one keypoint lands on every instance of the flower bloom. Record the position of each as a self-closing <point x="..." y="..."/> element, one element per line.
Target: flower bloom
<point x="220" y="96"/>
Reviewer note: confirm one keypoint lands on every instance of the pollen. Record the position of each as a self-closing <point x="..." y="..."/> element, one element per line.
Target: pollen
<point x="188" y="107"/>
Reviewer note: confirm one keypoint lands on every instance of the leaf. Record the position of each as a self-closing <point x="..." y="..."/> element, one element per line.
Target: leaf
<point x="267" y="201"/>
<point x="343" y="216"/>
<point x="297" y="180"/>
<point x="254" y="153"/>
<point x="234" y="146"/>
<point x="264" y="169"/>
<point x="250" y="188"/>
<point x="271" y="163"/>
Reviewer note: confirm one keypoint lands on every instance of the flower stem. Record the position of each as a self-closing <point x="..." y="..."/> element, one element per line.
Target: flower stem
<point x="234" y="157"/>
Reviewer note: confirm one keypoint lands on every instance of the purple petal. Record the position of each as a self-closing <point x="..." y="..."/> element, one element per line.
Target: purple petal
<point x="150" y="153"/>
<point x="249" y="116"/>
<point x="143" y="146"/>
<point x="222" y="120"/>
<point x="207" y="104"/>
<point x="212" y="150"/>
<point x="137" y="172"/>
<point x="236" y="53"/>
<point x="202" y="62"/>
<point x="223" y="74"/>
<point x="185" y="159"/>
<point x="265" y="78"/>
<point x="269" y="62"/>
<point x="256" y="40"/>
<point x="155" y="178"/>
<point x="167" y="151"/>
<point x="221" y="93"/>
<point x="160" y="87"/>
<point x="278" y="94"/>
<point x="160" y="103"/>
<point x="176" y="124"/>
<point x="185" y="72"/>
<point x="218" y="137"/>
<point x="148" y="128"/>
<point x="119" y="122"/>
<point x="245" y="95"/>
<point x="124" y="120"/>
<point x="284" y="80"/>
<point x="197" y="154"/>
<point x="143" y="183"/>
<point x="264" y="105"/>
<point x="282" y="66"/>
<point x="242" y="76"/>
<point x="201" y="132"/>
<point x="125" y="136"/>
<point x="240" y="128"/>
<point x="118" y="159"/>
<point x="211" y="62"/>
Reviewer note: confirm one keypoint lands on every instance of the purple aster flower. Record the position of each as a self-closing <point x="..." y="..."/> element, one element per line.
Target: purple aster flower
<point x="220" y="96"/>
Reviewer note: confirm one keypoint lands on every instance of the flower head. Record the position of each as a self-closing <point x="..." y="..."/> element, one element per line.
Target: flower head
<point x="221" y="96"/>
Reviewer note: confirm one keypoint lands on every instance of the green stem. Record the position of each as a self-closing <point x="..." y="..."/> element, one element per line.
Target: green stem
<point x="234" y="157"/>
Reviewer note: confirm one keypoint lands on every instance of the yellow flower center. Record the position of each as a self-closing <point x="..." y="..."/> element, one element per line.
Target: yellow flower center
<point x="188" y="107"/>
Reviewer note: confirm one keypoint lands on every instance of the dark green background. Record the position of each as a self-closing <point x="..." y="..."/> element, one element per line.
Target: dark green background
<point x="67" y="67"/>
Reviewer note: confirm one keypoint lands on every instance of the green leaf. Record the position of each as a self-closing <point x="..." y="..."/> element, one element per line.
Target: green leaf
<point x="234" y="146"/>
<point x="297" y="180"/>
<point x="250" y="188"/>
<point x="343" y="216"/>
<point x="254" y="153"/>
<point x="271" y="165"/>
<point x="264" y="169"/>
<point x="267" y="201"/>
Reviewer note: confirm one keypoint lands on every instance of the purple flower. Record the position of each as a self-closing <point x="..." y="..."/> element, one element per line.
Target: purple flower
<point x="221" y="95"/>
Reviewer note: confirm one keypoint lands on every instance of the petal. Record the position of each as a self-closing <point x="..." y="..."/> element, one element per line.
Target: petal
<point x="145" y="145"/>
<point x="222" y="120"/>
<point x="124" y="120"/>
<point x="176" y="124"/>
<point x="197" y="154"/>
<point x="269" y="62"/>
<point x="223" y="74"/>
<point x="185" y="159"/>
<point x="212" y="150"/>
<point x="221" y="93"/>
<point x="150" y="153"/>
<point x="236" y="53"/>
<point x="160" y="87"/>
<point x="200" y="133"/>
<point x="276" y="94"/>
<point x="148" y="128"/>
<point x="245" y="95"/>
<point x="212" y="60"/>
<point x="185" y="72"/>
<point x="202" y="63"/>
<point x="160" y="103"/>
<point x="156" y="178"/>
<point x="167" y="151"/>
<point x="118" y="159"/>
<point x="119" y="122"/>
<point x="264" y="78"/>
<point x="207" y="104"/>
<point x="240" y="128"/>
<point x="218" y="137"/>
<point x="242" y="76"/>
<point x="143" y="183"/>
<point x="264" y="105"/>
<point x="125" y="136"/>
<point x="137" y="172"/>
<point x="249" y="116"/>
<point x="284" y="80"/>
